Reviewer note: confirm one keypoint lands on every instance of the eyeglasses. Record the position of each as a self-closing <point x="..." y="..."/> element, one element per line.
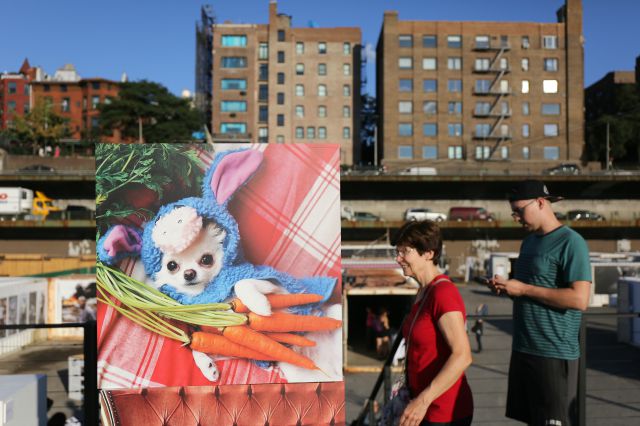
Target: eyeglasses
<point x="519" y="211"/>
<point x="403" y="251"/>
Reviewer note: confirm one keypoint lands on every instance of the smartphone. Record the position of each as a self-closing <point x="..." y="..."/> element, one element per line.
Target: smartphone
<point x="484" y="280"/>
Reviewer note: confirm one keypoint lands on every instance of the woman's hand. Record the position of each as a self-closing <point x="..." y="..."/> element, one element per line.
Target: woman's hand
<point x="415" y="412"/>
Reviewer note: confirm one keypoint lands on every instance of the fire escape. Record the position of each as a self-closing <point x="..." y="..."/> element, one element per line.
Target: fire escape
<point x="497" y="93"/>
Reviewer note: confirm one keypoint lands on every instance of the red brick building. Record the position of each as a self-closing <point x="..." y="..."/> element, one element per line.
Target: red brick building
<point x="15" y="94"/>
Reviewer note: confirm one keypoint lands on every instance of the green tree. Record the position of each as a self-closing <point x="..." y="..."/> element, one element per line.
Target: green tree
<point x="148" y="111"/>
<point x="41" y="126"/>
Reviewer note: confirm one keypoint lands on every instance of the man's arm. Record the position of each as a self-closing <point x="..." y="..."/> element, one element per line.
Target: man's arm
<point x="576" y="296"/>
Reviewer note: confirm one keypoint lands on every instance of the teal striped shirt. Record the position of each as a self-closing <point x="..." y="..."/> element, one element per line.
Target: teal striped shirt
<point x="554" y="260"/>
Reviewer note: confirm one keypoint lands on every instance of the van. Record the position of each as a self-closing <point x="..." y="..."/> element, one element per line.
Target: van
<point x="470" y="213"/>
<point x="419" y="171"/>
<point x="424" y="214"/>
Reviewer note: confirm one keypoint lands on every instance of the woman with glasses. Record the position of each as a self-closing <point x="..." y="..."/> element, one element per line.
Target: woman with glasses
<point x="438" y="350"/>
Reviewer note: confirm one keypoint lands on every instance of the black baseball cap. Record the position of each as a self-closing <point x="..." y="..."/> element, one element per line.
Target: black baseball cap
<point x="529" y="189"/>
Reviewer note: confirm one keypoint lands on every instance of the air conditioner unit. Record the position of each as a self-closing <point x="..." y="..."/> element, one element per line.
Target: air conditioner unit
<point x="233" y="114"/>
<point x="243" y="93"/>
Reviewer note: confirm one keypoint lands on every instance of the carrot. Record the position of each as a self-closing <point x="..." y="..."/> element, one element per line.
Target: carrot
<point x="210" y="329"/>
<point x="216" y="344"/>
<point x="259" y="342"/>
<point x="292" y="339"/>
<point x="279" y="301"/>
<point x="280" y="321"/>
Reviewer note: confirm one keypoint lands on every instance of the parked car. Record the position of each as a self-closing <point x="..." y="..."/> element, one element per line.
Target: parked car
<point x="583" y="215"/>
<point x="365" y="217"/>
<point x="424" y="214"/>
<point x="419" y="171"/>
<point x="470" y="213"/>
<point x="565" y="169"/>
<point x="346" y="213"/>
<point x="36" y="168"/>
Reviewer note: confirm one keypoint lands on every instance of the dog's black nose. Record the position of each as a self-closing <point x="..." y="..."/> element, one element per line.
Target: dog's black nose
<point x="189" y="274"/>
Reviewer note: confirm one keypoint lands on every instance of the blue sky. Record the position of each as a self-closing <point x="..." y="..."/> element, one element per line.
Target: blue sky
<point x="155" y="40"/>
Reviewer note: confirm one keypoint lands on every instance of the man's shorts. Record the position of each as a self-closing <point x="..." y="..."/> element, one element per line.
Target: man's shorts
<point x="542" y="391"/>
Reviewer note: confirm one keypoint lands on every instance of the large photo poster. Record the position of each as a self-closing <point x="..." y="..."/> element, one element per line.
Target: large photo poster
<point x="251" y="232"/>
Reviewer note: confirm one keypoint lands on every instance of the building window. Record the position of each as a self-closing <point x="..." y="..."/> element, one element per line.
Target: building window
<point x="311" y="132"/>
<point x="346" y="90"/>
<point x="525" y="64"/>
<point x="454" y="41"/>
<point x="263" y="135"/>
<point x="455" y="129"/>
<point x="263" y="72"/>
<point x="346" y="50"/>
<point x="504" y="152"/>
<point x="550" y="86"/>
<point x="234" y="41"/>
<point x="280" y="78"/>
<point x="322" y="111"/>
<point x="430" y="152"/>
<point x="405" y="41"/>
<point x="280" y="35"/>
<point x="504" y="64"/>
<point x="549" y="42"/>
<point x="405" y="107"/>
<point x="280" y="98"/>
<point x="63" y="87"/>
<point x="526" y="131"/>
<point x="26" y="108"/>
<point x="263" y="113"/>
<point x="504" y="86"/>
<point x="322" y="69"/>
<point x="322" y="132"/>
<point x="551" y="153"/>
<point x="525" y="153"/>
<point x="281" y="56"/>
<point x="525" y="42"/>
<point x="280" y="120"/>
<point x="430" y="107"/>
<point x="322" y="47"/>
<point x="279" y="139"/>
<point x="95" y="100"/>
<point x="27" y="89"/>
<point x="405" y="85"/>
<point x="429" y="41"/>
<point x="346" y="111"/>
<point x="234" y="62"/>
<point x="46" y="87"/>
<point x="525" y="108"/>
<point x="233" y="128"/>
<point x="405" y="63"/>
<point x="525" y="86"/>
<point x="550" y="109"/>
<point x="550" y="64"/>
<point x="299" y="132"/>
<point x="263" y="92"/>
<point x="233" y="106"/>
<point x="454" y="86"/>
<point x="346" y="69"/>
<point x="482" y="42"/>
<point x="299" y="90"/>
<point x="95" y="85"/>
<point x="95" y="122"/>
<point x="429" y="64"/>
<point x="299" y="69"/>
<point x="346" y="133"/>
<point x="483" y="86"/>
<point x="405" y="152"/>
<point x="430" y="129"/>
<point x="483" y="130"/>
<point x="482" y="64"/>
<point x="551" y="130"/>
<point x="405" y="129"/>
<point x="504" y="108"/>
<point x="430" y="86"/>
<point x="482" y="108"/>
<point x="504" y="41"/>
<point x="483" y="152"/>
<point x="299" y="48"/>
<point x="299" y="111"/>
<point x="66" y="105"/>
<point x="455" y="152"/>
<point x="11" y="106"/>
<point x="455" y="107"/>
<point x="233" y="84"/>
<point x="263" y="51"/>
<point x="454" y="63"/>
<point x="322" y="90"/>
<point x="12" y="88"/>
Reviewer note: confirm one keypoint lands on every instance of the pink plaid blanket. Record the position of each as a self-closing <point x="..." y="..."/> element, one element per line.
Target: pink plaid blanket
<point x="288" y="216"/>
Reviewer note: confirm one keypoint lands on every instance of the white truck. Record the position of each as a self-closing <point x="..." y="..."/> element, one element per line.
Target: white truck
<point x="424" y="214"/>
<point x="20" y="203"/>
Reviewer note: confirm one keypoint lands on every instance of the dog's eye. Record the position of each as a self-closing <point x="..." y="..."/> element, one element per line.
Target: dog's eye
<point x="172" y="266"/>
<point x="206" y="260"/>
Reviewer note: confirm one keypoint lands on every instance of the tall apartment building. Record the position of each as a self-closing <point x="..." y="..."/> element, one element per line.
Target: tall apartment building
<point x="276" y="83"/>
<point x="15" y="92"/>
<point x="481" y="94"/>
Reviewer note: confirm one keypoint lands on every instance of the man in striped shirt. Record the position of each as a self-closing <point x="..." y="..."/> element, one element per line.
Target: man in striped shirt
<point x="550" y="288"/>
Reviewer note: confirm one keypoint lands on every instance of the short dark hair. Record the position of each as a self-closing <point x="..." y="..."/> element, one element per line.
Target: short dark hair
<point x="423" y="236"/>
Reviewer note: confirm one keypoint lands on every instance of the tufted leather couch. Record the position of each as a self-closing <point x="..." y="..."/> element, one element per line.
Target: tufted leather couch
<point x="233" y="405"/>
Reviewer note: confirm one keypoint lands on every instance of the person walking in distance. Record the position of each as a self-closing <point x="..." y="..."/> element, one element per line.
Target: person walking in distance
<point x="550" y="288"/>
